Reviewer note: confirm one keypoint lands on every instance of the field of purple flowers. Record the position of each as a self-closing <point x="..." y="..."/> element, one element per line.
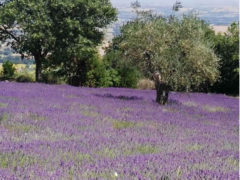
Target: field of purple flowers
<point x="63" y="132"/>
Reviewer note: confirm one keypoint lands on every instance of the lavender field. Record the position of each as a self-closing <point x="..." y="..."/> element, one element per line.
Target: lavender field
<point x="62" y="132"/>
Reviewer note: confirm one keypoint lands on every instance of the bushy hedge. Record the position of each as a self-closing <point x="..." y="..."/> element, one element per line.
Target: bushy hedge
<point x="127" y="75"/>
<point x="8" y="69"/>
<point x="24" y="78"/>
<point x="101" y="75"/>
<point x="227" y="48"/>
<point x="11" y="72"/>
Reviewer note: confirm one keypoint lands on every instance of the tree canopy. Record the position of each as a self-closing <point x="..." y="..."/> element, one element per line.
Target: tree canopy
<point x="177" y="48"/>
<point x="53" y="27"/>
<point x="227" y="49"/>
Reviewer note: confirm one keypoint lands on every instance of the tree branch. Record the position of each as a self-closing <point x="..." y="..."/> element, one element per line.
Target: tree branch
<point x="4" y="30"/>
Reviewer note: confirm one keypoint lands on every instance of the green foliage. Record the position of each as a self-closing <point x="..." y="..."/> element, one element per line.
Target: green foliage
<point x="25" y="75"/>
<point x="58" y="30"/>
<point x="101" y="76"/>
<point x="129" y="76"/>
<point x="8" y="69"/>
<point x="112" y="77"/>
<point x="49" y="78"/>
<point x="90" y="71"/>
<point x="126" y="75"/>
<point x="53" y="76"/>
<point x="13" y="73"/>
<point x="95" y="77"/>
<point x="176" y="47"/>
<point x="24" y="78"/>
<point x="227" y="48"/>
<point x="76" y="47"/>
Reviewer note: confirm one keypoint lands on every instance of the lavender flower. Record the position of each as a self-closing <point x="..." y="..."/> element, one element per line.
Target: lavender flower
<point x="63" y="132"/>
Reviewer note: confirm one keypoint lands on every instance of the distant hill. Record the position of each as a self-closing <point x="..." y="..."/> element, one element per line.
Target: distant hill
<point x="214" y="16"/>
<point x="220" y="29"/>
<point x="6" y="53"/>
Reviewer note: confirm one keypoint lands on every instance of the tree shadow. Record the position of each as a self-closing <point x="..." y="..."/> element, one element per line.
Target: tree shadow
<point x="173" y="102"/>
<point x="119" y="97"/>
<point x="170" y="102"/>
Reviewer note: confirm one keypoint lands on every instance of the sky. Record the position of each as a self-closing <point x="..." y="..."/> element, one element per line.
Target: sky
<point x="186" y="3"/>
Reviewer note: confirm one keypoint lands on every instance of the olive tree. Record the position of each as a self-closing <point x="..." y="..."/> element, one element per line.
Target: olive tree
<point x="173" y="51"/>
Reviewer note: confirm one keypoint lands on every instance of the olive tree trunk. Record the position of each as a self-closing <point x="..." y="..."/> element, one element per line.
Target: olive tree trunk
<point x="162" y="92"/>
<point x="162" y="89"/>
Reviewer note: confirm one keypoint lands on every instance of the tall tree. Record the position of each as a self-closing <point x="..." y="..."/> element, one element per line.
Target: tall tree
<point x="44" y="27"/>
<point x="227" y="49"/>
<point x="173" y="51"/>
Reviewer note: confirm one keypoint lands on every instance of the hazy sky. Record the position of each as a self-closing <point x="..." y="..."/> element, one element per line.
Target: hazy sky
<point x="186" y="3"/>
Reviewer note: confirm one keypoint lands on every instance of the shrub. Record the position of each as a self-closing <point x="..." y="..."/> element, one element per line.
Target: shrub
<point x="129" y="76"/>
<point x="8" y="69"/>
<point x="84" y="71"/>
<point x="49" y="77"/>
<point x="95" y="73"/>
<point x="52" y="77"/>
<point x="113" y="77"/>
<point x="24" y="78"/>
<point x="99" y="76"/>
<point x="25" y="74"/>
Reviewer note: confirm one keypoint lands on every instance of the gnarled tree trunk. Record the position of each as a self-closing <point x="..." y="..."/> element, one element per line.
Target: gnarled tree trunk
<point x="162" y="89"/>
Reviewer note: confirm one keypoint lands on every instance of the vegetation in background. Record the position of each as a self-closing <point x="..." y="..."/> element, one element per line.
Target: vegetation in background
<point x="227" y="49"/>
<point x="96" y="74"/>
<point x="129" y="76"/>
<point x="8" y="70"/>
<point x="17" y="72"/>
<point x="26" y="77"/>
<point x="52" y="77"/>
<point x="67" y="30"/>
<point x="123" y="74"/>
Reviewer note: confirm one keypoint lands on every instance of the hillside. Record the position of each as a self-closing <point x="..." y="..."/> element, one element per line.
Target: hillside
<point x="63" y="132"/>
<point x="220" y="29"/>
